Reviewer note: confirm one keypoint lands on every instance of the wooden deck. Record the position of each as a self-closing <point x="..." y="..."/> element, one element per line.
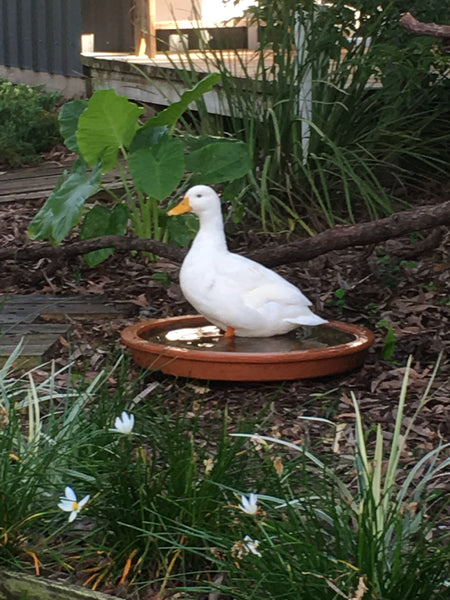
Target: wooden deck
<point x="41" y="323"/>
<point x="29" y="183"/>
<point x="158" y="80"/>
<point x="240" y="63"/>
<point x="34" y="183"/>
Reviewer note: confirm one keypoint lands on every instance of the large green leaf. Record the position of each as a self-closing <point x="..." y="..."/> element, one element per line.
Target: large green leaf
<point x="100" y="220"/>
<point x="62" y="210"/>
<point x="158" y="169"/>
<point x="218" y="162"/>
<point x="170" y="115"/>
<point x="181" y="230"/>
<point x="108" y="124"/>
<point x="146" y="137"/>
<point x="196" y="142"/>
<point x="68" y="121"/>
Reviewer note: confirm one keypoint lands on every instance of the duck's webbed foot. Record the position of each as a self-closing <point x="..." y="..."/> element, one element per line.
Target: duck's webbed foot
<point x="229" y="333"/>
<point x="230" y="339"/>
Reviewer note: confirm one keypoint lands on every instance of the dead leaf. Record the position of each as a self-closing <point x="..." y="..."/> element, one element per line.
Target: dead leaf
<point x="141" y="300"/>
<point x="63" y="342"/>
<point x="362" y="589"/>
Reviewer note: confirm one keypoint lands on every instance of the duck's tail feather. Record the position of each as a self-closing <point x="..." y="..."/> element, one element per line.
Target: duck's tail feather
<point x="311" y="319"/>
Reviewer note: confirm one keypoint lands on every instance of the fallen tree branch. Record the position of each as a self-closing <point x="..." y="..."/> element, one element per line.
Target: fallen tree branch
<point x="337" y="238"/>
<point x="362" y="234"/>
<point x="68" y="250"/>
<point x="414" y="26"/>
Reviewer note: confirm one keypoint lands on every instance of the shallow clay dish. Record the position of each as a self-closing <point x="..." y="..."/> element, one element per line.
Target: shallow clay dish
<point x="190" y="346"/>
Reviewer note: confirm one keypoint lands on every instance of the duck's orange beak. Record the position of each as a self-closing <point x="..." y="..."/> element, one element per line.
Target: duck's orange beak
<point x="181" y="208"/>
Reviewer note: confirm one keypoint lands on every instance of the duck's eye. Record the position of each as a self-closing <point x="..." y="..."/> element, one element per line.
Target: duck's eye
<point x="199" y="195"/>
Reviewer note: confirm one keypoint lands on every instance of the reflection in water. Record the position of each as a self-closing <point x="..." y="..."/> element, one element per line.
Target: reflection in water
<point x="210" y="338"/>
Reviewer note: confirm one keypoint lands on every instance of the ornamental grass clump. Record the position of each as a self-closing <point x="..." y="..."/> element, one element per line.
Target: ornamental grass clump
<point x="106" y="490"/>
<point x="41" y="436"/>
<point x="340" y="528"/>
<point x="94" y="482"/>
<point x="340" y="106"/>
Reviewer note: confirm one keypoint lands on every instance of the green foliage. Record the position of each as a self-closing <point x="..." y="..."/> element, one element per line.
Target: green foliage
<point x="35" y="454"/>
<point x="29" y="123"/>
<point x="170" y="115"/>
<point x="339" y="299"/>
<point x="389" y="340"/>
<point x="371" y="533"/>
<point x="100" y="220"/>
<point x="158" y="169"/>
<point x="164" y="498"/>
<point x="106" y="126"/>
<point x="211" y="163"/>
<point x="335" y="127"/>
<point x="391" y="271"/>
<point x="155" y="477"/>
<point x="63" y="208"/>
<point x="163" y="278"/>
<point x="68" y="122"/>
<point x="150" y="158"/>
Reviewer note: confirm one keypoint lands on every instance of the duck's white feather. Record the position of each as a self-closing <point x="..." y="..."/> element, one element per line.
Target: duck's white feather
<point x="231" y="290"/>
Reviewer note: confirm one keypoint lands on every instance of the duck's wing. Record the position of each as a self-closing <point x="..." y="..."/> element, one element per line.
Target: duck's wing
<point x="259" y="285"/>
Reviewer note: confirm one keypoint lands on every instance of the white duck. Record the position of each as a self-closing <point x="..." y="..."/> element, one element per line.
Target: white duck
<point x="236" y="294"/>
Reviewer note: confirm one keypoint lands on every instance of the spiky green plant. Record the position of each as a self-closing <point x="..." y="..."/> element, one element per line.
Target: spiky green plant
<point x="341" y="108"/>
<point x="166" y="510"/>
<point x="376" y="529"/>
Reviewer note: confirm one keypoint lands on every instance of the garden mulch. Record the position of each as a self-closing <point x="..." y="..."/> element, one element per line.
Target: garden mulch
<point x="40" y="323"/>
<point x="388" y="282"/>
<point x="393" y="282"/>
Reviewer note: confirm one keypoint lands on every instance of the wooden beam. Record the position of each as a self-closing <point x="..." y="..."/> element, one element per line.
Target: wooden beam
<point x="152" y="27"/>
<point x="144" y="27"/>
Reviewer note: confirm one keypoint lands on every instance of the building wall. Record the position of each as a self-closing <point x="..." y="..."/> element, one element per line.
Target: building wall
<point x="111" y="23"/>
<point x="41" y="36"/>
<point x="180" y="10"/>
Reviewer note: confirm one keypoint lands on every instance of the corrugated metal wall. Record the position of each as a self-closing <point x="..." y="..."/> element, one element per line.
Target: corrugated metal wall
<point x="41" y="35"/>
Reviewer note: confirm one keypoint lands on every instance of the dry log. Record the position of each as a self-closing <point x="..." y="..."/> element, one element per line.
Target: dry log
<point x="337" y="238"/>
<point x="414" y="26"/>
<point x="362" y="234"/>
<point x="38" y="250"/>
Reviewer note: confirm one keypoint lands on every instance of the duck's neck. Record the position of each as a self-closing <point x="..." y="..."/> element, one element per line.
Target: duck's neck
<point x="211" y="232"/>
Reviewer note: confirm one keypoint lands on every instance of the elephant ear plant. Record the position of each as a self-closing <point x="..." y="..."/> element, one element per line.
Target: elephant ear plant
<point x="152" y="159"/>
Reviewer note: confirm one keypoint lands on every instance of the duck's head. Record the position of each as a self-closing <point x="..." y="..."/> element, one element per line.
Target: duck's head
<point x="198" y="199"/>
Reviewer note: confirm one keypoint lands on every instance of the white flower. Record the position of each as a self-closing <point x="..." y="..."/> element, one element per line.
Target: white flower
<point x="69" y="503"/>
<point x="249" y="505"/>
<point x="244" y="547"/>
<point x="124" y="423"/>
<point x="251" y="545"/>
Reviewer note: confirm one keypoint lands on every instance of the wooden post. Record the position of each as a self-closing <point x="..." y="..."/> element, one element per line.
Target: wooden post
<point x="152" y="28"/>
<point x="144" y="27"/>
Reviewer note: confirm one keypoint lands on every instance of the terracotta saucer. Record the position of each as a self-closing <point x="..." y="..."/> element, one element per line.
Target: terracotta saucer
<point x="185" y="345"/>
